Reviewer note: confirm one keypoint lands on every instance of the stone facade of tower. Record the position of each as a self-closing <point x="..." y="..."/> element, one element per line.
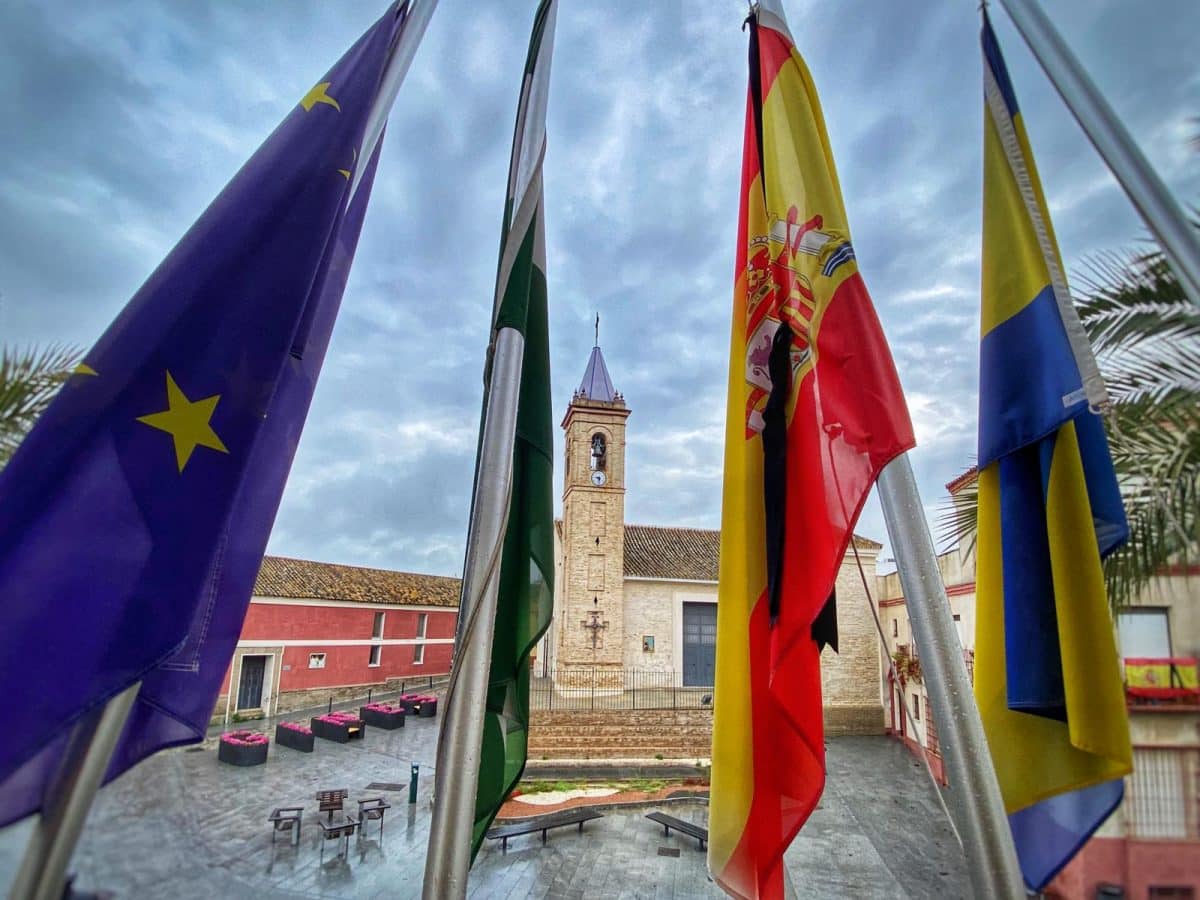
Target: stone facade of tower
<point x="590" y="626"/>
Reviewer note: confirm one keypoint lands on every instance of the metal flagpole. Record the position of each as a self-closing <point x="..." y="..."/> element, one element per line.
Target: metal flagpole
<point x="1164" y="217"/>
<point x="456" y="779"/>
<point x="43" y="871"/>
<point x="975" y="792"/>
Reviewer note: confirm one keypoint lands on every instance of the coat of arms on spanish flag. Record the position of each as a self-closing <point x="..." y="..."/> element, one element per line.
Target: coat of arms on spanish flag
<point x="815" y="411"/>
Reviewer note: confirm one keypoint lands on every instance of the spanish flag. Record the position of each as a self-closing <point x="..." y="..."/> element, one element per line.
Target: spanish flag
<point x="1047" y="677"/>
<point x="815" y="411"/>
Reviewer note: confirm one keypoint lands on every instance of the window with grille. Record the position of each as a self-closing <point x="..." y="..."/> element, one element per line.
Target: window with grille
<point x="1162" y="793"/>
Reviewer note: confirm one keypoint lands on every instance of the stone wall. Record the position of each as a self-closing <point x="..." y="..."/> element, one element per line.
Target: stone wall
<point x="621" y="734"/>
<point x="850" y="688"/>
<point x="653" y="608"/>
<point x="656" y="733"/>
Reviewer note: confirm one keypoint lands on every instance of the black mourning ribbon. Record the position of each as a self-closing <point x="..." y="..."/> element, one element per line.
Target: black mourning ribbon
<point x="774" y="437"/>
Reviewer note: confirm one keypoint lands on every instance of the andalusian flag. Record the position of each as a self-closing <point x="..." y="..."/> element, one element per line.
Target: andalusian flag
<point x="1046" y="670"/>
<point x="815" y="411"/>
<point x="527" y="564"/>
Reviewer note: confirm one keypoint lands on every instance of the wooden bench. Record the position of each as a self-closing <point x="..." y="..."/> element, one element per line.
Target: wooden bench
<point x="543" y="824"/>
<point x="669" y="822"/>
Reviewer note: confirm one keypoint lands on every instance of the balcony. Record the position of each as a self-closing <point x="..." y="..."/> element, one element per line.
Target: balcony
<point x="1162" y="682"/>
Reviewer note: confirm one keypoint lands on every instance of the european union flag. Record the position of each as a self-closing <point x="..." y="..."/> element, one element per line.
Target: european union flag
<point x="134" y="517"/>
<point x="1047" y="675"/>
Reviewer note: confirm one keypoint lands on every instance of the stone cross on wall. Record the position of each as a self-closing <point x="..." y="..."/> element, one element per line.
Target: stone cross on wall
<point x="595" y="626"/>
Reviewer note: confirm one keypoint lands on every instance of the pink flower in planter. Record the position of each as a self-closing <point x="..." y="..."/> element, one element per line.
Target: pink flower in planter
<point x="384" y="708"/>
<point x="245" y="738"/>
<point x="296" y="726"/>
<point x="340" y="718"/>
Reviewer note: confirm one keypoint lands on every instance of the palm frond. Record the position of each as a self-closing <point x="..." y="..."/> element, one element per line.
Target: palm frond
<point x="1144" y="330"/>
<point x="958" y="517"/>
<point x="29" y="379"/>
<point x="1156" y="453"/>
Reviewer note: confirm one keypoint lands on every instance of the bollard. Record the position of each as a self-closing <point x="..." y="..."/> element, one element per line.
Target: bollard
<point x="369" y="695"/>
<point x="412" y="784"/>
<point x="330" y="703"/>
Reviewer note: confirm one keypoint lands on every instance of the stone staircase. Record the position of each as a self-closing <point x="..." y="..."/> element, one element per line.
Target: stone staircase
<point x="684" y="734"/>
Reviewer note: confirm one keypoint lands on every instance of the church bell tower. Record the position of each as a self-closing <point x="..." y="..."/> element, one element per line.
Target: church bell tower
<point x="591" y="628"/>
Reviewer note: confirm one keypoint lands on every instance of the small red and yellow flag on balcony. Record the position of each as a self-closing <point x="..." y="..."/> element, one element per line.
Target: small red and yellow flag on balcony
<point x="815" y="411"/>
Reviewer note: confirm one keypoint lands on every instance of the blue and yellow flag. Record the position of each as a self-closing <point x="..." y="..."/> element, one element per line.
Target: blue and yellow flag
<point x="1047" y="677"/>
<point x="134" y="516"/>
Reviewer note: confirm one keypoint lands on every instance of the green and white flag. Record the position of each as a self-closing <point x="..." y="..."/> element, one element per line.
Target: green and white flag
<point x="527" y="565"/>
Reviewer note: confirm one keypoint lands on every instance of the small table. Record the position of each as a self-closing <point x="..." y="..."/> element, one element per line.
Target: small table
<point x="341" y="832"/>
<point x="287" y="818"/>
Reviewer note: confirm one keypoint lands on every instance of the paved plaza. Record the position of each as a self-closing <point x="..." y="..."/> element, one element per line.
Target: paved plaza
<point x="183" y="825"/>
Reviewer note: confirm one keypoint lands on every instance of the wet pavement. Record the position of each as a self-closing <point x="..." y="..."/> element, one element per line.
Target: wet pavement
<point x="183" y="825"/>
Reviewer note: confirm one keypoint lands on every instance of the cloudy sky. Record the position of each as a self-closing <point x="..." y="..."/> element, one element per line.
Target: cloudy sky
<point x="122" y="120"/>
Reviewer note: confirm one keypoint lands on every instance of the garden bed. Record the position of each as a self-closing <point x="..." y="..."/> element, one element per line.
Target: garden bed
<point x="420" y="705"/>
<point x="243" y="748"/>
<point x="338" y="726"/>
<point x="294" y="735"/>
<point x="383" y="715"/>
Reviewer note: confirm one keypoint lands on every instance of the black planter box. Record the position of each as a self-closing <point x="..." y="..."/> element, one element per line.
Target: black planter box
<point x="340" y="733"/>
<point x="242" y="754"/>
<point x="297" y="740"/>
<point x="419" y="705"/>
<point x="389" y="721"/>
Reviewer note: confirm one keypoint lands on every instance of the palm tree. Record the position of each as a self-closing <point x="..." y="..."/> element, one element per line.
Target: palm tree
<point x="29" y="379"/>
<point x="1146" y="335"/>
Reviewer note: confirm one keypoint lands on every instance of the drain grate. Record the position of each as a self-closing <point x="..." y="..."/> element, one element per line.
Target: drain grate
<point x="668" y="851"/>
<point x="386" y="786"/>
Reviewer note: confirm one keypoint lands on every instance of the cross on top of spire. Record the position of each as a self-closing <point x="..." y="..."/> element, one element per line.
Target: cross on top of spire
<point x="596" y="384"/>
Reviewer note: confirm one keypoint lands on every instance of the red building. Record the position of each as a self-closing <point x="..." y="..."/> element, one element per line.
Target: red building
<point x="318" y="630"/>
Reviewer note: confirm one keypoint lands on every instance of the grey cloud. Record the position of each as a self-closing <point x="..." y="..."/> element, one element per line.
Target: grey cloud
<point x="124" y="120"/>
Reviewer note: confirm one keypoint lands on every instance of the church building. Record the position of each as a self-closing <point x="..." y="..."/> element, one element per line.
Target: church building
<point x="632" y="601"/>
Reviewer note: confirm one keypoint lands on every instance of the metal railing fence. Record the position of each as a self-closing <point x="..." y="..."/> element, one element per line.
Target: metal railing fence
<point x="603" y="688"/>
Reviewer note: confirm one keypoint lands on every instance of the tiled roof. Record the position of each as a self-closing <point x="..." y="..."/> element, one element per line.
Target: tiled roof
<point x="685" y="553"/>
<point x="688" y="554"/>
<point x="304" y="579"/>
<point x="958" y="482"/>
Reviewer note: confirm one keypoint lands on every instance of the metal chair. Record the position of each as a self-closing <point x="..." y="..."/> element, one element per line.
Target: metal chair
<point x="372" y="808"/>
<point x="341" y="832"/>
<point x="287" y="818"/>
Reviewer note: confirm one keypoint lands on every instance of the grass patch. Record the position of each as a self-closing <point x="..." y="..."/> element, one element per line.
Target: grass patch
<point x="648" y="785"/>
